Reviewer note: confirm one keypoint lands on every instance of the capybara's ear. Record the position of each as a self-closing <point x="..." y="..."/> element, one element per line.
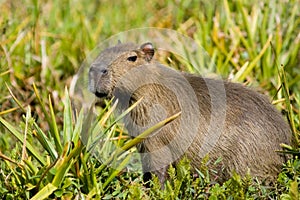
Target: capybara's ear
<point x="148" y="50"/>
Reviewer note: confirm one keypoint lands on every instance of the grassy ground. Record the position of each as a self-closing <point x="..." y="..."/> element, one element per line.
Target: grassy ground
<point x="43" y="44"/>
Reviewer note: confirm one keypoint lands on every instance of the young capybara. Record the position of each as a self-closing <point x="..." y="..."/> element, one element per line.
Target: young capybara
<point x="234" y="125"/>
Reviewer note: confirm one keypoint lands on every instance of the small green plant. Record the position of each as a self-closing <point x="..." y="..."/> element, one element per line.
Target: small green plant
<point x="289" y="179"/>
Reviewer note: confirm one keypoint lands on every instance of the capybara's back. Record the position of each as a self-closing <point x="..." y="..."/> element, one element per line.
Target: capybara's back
<point x="251" y="135"/>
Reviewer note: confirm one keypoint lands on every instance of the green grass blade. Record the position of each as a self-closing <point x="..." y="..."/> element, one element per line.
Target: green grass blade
<point x="61" y="169"/>
<point x="55" y="133"/>
<point x="31" y="166"/>
<point x="246" y="23"/>
<point x="252" y="64"/>
<point x="45" y="142"/>
<point x="86" y="128"/>
<point x="240" y="73"/>
<point x="44" y="192"/>
<point x="124" y="113"/>
<point x="289" y="108"/>
<point x="143" y="135"/>
<point x="137" y="140"/>
<point x="96" y="128"/>
<point x="50" y="119"/>
<point x="65" y="163"/>
<point x="116" y="171"/>
<point x="78" y="127"/>
<point x="4" y="73"/>
<point x="45" y="112"/>
<point x="8" y="111"/>
<point x="19" y="136"/>
<point x="68" y="123"/>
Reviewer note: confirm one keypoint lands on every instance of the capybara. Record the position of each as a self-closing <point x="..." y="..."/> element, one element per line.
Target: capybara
<point x="234" y="125"/>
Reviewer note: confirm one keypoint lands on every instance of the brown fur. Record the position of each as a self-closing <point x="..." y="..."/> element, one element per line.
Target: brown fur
<point x="249" y="137"/>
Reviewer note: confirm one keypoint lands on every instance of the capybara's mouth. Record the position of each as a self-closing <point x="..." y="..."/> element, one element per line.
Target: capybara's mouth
<point x="100" y="94"/>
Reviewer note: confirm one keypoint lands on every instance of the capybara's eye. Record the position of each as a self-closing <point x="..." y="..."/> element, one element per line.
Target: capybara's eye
<point x="104" y="71"/>
<point x="132" y="58"/>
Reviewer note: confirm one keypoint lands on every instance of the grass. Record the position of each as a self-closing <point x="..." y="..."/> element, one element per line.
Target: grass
<point x="43" y="44"/>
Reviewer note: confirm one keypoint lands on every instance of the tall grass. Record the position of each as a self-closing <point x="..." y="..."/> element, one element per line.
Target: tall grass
<point x="43" y="43"/>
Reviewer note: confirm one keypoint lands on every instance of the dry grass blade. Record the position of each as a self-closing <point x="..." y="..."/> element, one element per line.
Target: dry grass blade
<point x="28" y="117"/>
<point x="4" y="157"/>
<point x="15" y="99"/>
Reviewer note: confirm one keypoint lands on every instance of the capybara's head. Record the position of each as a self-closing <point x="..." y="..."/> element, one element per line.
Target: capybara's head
<point x="113" y="63"/>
